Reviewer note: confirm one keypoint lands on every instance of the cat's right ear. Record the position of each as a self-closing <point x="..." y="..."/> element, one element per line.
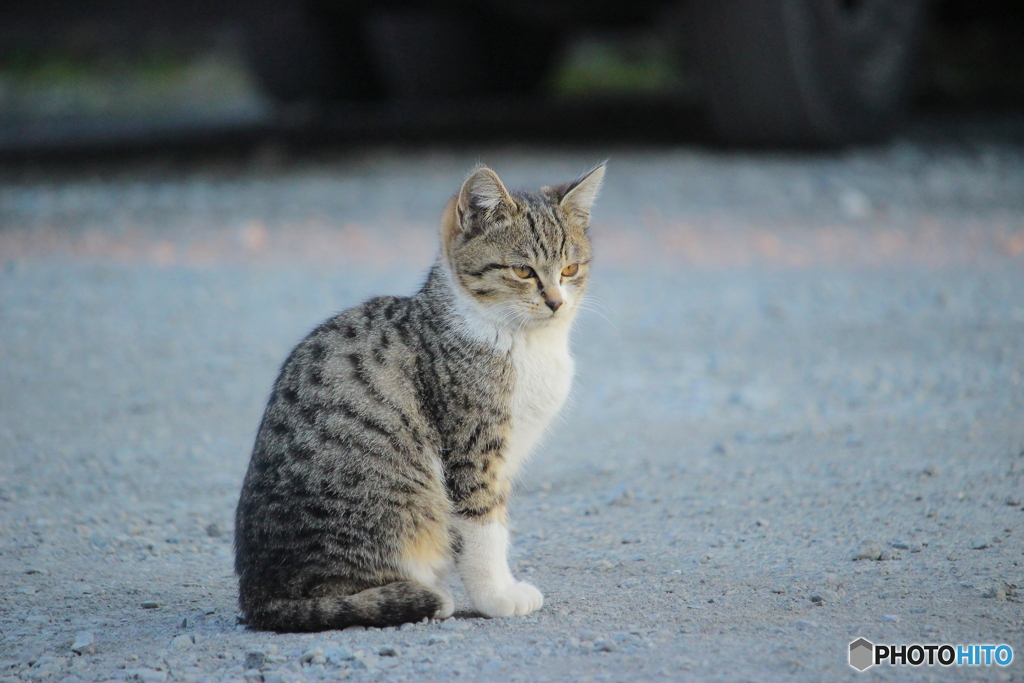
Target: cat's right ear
<point x="481" y="195"/>
<point x="483" y="192"/>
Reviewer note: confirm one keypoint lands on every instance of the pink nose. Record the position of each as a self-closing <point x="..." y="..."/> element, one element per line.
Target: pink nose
<point x="553" y="304"/>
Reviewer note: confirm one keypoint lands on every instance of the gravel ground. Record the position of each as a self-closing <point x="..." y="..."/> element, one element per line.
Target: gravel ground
<point x="789" y="362"/>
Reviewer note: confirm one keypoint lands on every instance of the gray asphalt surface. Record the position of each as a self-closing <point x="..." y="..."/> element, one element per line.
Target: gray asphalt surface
<point x="786" y="356"/>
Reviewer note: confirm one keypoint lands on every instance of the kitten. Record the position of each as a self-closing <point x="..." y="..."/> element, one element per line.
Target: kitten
<point x="394" y="430"/>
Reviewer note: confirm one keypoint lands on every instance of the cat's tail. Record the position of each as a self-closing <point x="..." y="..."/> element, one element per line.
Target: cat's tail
<point x="390" y="605"/>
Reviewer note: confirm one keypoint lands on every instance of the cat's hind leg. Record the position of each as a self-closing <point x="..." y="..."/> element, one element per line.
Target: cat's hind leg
<point x="426" y="557"/>
<point x="483" y="566"/>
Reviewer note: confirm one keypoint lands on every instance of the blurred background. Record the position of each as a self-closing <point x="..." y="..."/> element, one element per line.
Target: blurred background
<point x="90" y="74"/>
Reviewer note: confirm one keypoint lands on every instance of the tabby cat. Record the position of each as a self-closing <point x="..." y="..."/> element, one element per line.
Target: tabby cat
<point x="393" y="433"/>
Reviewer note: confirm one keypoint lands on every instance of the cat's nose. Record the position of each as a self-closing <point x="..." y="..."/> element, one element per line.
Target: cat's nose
<point x="553" y="304"/>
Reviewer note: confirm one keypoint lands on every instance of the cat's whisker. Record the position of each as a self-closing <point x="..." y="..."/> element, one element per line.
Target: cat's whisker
<point x="585" y="307"/>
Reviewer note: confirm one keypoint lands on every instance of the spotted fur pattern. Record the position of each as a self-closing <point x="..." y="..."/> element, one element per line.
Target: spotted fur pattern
<point x="392" y="435"/>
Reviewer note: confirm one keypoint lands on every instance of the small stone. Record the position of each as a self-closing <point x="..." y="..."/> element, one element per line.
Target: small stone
<point x="868" y="549"/>
<point x="781" y="590"/>
<point x="980" y="544"/>
<point x="437" y="640"/>
<point x="720" y="448"/>
<point x="28" y="590"/>
<point x="388" y="651"/>
<point x="314" y="655"/>
<point x="337" y="655"/>
<point x="997" y="592"/>
<point x="900" y="545"/>
<point x="368" y="662"/>
<point x="83" y="643"/>
<point x="605" y="645"/>
<point x="890" y="617"/>
<point x="621" y="495"/>
<point x="81" y="588"/>
<point x="1013" y="500"/>
<point x="930" y="471"/>
<point x="150" y="604"/>
<point x="817" y="599"/>
<point x="454" y="625"/>
<point x="183" y="641"/>
<point x="889" y="555"/>
<point x="762" y="522"/>
<point x="214" y="530"/>
<point x="254" y="659"/>
<point x="184" y="623"/>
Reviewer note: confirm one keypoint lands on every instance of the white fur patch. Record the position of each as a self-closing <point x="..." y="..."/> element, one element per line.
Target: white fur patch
<point x="483" y="566"/>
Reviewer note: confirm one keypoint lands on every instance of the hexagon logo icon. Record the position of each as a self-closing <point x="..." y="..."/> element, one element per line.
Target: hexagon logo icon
<point x="862" y="654"/>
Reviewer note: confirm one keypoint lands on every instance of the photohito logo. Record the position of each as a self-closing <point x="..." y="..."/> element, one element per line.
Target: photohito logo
<point x="865" y="654"/>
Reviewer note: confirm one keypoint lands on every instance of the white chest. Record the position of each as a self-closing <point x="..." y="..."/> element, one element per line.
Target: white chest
<point x="543" y="372"/>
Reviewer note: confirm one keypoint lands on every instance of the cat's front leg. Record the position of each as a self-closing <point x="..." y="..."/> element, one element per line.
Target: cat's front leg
<point x="483" y="565"/>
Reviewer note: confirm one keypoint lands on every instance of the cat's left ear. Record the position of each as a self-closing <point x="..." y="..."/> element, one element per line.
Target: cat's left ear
<point x="580" y="194"/>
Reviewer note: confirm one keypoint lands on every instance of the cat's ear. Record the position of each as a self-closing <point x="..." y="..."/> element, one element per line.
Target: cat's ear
<point x="579" y="195"/>
<point x="483" y="192"/>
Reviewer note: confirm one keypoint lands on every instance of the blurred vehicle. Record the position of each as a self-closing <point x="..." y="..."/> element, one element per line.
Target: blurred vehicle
<point x="792" y="72"/>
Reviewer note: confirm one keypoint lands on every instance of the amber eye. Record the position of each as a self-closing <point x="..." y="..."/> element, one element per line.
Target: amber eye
<point x="569" y="271"/>
<point x="525" y="272"/>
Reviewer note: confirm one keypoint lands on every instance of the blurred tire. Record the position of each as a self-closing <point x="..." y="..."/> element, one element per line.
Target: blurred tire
<point x="303" y="52"/>
<point x="805" y="72"/>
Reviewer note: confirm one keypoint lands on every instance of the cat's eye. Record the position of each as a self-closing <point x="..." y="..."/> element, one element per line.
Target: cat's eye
<point x="569" y="271"/>
<point x="525" y="272"/>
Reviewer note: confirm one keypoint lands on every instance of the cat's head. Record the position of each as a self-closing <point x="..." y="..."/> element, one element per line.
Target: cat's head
<point x="522" y="257"/>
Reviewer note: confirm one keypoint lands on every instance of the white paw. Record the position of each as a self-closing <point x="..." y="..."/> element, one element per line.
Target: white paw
<point x="518" y="599"/>
<point x="447" y="607"/>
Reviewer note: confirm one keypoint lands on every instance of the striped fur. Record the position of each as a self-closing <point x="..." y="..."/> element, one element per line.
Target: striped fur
<point x="394" y="430"/>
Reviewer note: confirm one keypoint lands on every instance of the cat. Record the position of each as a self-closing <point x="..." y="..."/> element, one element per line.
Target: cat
<point x="392" y="435"/>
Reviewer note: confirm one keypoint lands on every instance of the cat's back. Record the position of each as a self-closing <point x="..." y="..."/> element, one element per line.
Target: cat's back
<point x="352" y="374"/>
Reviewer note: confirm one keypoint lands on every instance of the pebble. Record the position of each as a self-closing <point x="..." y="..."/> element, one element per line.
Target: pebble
<point x="337" y="655"/>
<point x="388" y="651"/>
<point x="868" y="549"/>
<point x="314" y="655"/>
<point x="454" y="625"/>
<point x="890" y="617"/>
<point x="621" y="495"/>
<point x="150" y="604"/>
<point x="980" y="544"/>
<point x="83" y="643"/>
<point x="368" y="662"/>
<point x="183" y="641"/>
<point x="781" y="590"/>
<point x="900" y="545"/>
<point x="214" y="530"/>
<point x="254" y="659"/>
<point x="997" y="592"/>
